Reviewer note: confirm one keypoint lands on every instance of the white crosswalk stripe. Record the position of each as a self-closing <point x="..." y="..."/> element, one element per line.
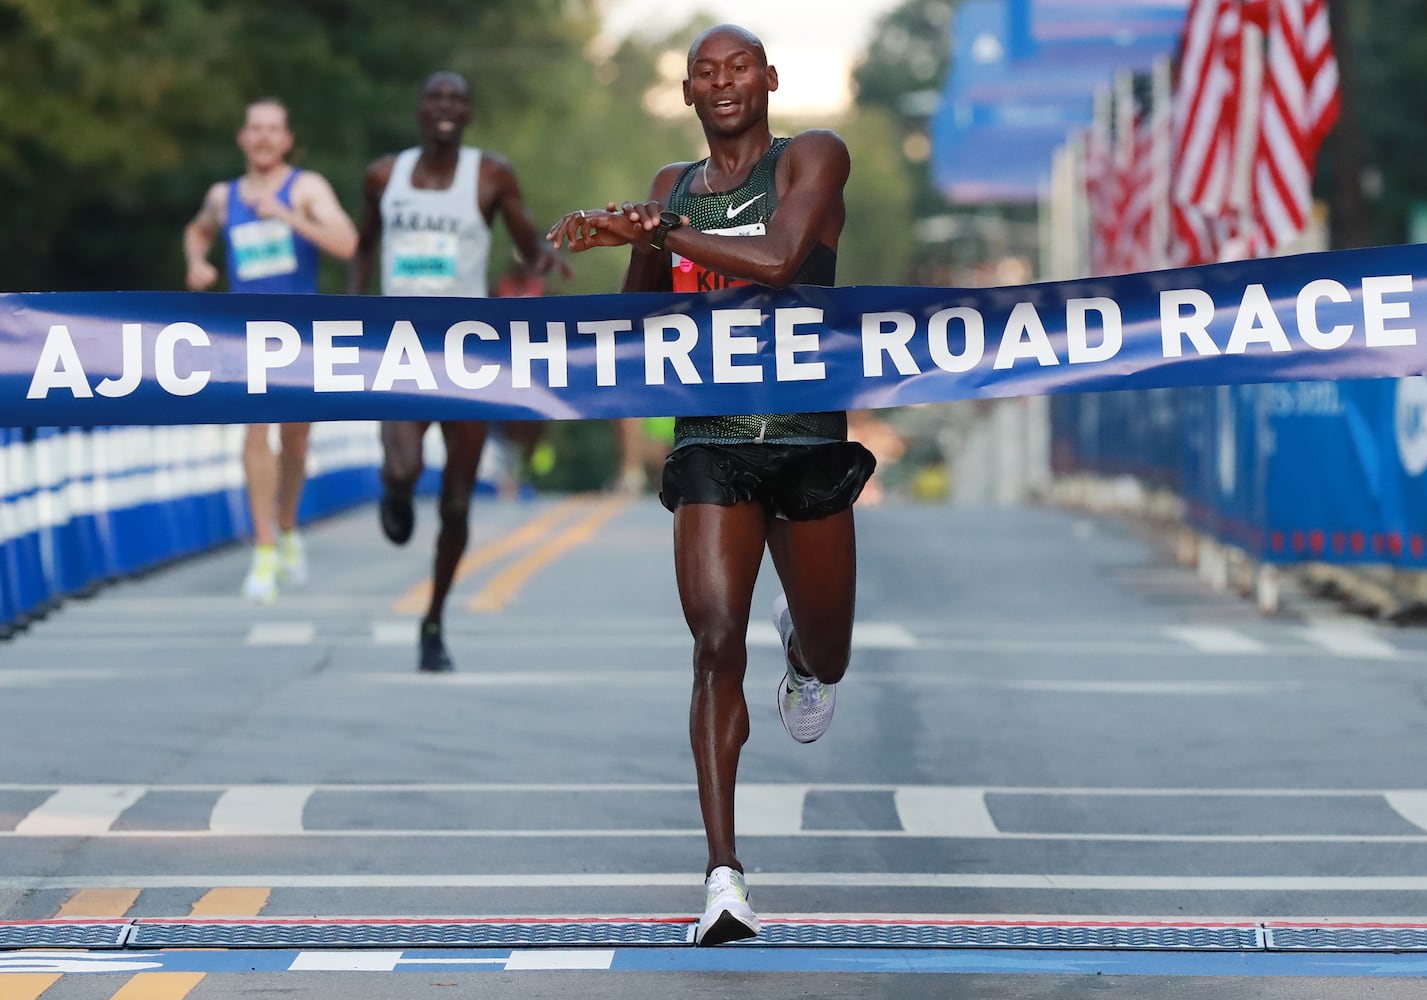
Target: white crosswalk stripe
<point x="1212" y="639"/>
<point x="764" y="810"/>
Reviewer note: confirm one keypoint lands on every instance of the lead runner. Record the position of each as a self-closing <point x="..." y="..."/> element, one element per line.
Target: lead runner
<point x="768" y="211"/>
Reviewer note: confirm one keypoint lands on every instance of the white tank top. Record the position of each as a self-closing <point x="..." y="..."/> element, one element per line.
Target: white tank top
<point x="434" y="242"/>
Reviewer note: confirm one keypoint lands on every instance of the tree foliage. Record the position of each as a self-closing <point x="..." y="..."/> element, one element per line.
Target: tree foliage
<point x="115" y="117"/>
<point x="1388" y="40"/>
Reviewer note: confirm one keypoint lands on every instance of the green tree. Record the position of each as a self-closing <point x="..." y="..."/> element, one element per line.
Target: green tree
<point x="115" y="117"/>
<point x="1373" y="162"/>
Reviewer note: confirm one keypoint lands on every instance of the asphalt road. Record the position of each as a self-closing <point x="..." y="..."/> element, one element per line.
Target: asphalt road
<point x="1046" y="720"/>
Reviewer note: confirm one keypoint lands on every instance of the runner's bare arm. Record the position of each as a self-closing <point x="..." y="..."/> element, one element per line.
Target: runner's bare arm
<point x="369" y="227"/>
<point x="500" y="188"/>
<point x="648" y="269"/>
<point x="318" y="216"/>
<point x="198" y="238"/>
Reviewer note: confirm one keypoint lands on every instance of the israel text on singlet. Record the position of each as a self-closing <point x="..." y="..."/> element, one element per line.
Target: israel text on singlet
<point x="745" y="211"/>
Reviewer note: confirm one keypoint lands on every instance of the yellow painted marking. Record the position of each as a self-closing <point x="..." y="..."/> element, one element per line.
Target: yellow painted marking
<point x="231" y="903"/>
<point x="159" y="986"/>
<point x="502" y="588"/>
<point x="25" y="985"/>
<point x="98" y="903"/>
<point x="415" y="600"/>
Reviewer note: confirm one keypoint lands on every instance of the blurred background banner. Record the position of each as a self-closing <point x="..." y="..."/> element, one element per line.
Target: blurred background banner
<point x="1024" y="76"/>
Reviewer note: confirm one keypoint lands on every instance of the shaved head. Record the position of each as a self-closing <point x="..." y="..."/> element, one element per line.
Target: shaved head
<point x="446" y="76"/>
<point x="748" y="38"/>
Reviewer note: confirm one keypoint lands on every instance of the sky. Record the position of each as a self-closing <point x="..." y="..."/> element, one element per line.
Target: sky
<point x="814" y="43"/>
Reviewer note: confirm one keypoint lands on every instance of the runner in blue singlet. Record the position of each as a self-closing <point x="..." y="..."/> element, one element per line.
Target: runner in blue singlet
<point x="274" y="220"/>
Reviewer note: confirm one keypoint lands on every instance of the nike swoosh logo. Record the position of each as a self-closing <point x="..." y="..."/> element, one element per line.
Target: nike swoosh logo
<point x="735" y="210"/>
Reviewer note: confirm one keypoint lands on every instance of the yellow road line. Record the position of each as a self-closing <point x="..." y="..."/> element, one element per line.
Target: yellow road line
<point x="25" y="985"/>
<point x="230" y="903"/>
<point x="159" y="986"/>
<point x="502" y="588"/>
<point x="415" y="600"/>
<point x="98" y="903"/>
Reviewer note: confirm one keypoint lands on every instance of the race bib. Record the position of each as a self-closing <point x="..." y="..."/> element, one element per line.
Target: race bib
<point x="262" y="248"/>
<point x="692" y="277"/>
<point x="422" y="263"/>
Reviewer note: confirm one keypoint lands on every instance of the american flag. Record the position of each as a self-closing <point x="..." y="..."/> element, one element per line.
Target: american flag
<point x="1102" y="186"/>
<point x="1205" y="128"/>
<point x="1300" y="105"/>
<point x="1137" y="251"/>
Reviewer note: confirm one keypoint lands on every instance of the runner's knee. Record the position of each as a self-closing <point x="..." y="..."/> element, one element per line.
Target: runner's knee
<point x="718" y="648"/>
<point x="455" y="512"/>
<point x="825" y="653"/>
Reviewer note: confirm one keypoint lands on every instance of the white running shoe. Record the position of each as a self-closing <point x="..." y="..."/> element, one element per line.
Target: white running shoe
<point x="260" y="584"/>
<point x="292" y="559"/>
<point x="805" y="704"/>
<point x="727" y="915"/>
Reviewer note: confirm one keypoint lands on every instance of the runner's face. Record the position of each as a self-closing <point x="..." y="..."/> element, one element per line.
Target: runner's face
<point x="728" y="84"/>
<point x="444" y="111"/>
<point x="264" y="137"/>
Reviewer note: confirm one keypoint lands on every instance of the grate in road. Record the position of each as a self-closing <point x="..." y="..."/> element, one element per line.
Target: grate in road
<point x="63" y="934"/>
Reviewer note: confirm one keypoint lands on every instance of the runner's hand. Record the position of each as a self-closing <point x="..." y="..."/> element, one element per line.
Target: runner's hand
<point x="201" y="275"/>
<point x="268" y="206"/>
<point x="589" y="228"/>
<point x="643" y="214"/>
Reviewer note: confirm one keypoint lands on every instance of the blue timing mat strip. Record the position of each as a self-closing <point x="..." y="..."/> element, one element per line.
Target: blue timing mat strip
<point x="744" y="959"/>
<point x="82" y="359"/>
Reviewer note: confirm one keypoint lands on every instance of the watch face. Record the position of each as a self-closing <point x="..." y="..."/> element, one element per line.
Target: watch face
<point x="671" y="219"/>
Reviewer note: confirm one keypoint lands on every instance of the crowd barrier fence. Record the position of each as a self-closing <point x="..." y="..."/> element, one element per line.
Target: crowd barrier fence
<point x="1324" y="472"/>
<point x="83" y="506"/>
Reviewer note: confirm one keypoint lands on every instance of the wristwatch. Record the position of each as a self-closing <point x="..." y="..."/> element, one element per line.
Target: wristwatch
<point x="667" y="221"/>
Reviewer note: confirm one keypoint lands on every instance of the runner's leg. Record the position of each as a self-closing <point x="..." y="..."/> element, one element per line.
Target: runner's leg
<point x="260" y="469"/>
<point x="817" y="564"/>
<point x="717" y="552"/>
<point x="292" y="472"/>
<point x="401" y="468"/>
<point x="464" y="441"/>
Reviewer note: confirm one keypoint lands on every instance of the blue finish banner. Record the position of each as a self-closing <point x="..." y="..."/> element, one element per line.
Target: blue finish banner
<point x="83" y="359"/>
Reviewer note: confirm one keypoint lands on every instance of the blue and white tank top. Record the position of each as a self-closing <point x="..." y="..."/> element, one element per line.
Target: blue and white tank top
<point x="434" y="242"/>
<point x="265" y="255"/>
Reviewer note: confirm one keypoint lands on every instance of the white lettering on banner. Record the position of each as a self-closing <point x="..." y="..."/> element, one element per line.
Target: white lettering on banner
<point x="261" y="359"/>
<point x="1313" y="335"/>
<point x="974" y="339"/>
<point x="523" y="351"/>
<point x="726" y="345"/>
<point x="788" y="343"/>
<point x="1376" y="312"/>
<point x="1257" y="323"/>
<point x="878" y="339"/>
<point x="676" y="352"/>
<point x="603" y="331"/>
<point x="455" y="352"/>
<point x="1030" y="340"/>
<point x="326" y="355"/>
<point x="131" y="339"/>
<point x="1077" y="335"/>
<point x="59" y="367"/>
<point x="404" y="360"/>
<point x="165" y="368"/>
<point x="744" y="345"/>
<point x="1175" y="326"/>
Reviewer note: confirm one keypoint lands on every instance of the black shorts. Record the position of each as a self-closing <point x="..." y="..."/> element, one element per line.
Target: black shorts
<point x="797" y="482"/>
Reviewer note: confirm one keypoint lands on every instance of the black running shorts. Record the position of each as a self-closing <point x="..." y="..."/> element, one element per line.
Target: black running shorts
<point x="797" y="482"/>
